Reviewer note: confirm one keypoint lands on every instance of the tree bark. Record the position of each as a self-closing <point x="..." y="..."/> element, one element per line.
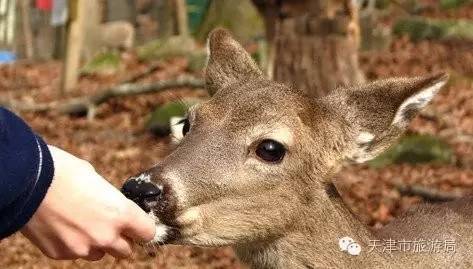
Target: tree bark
<point x="428" y="194"/>
<point x="165" y="17"/>
<point x="26" y="27"/>
<point x="75" y="38"/>
<point x="315" y="43"/>
<point x="181" y="17"/>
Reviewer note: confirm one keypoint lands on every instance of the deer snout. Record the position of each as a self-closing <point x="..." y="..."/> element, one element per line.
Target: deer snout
<point x="141" y="190"/>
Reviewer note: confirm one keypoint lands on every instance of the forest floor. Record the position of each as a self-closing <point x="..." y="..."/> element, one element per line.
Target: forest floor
<point x="117" y="145"/>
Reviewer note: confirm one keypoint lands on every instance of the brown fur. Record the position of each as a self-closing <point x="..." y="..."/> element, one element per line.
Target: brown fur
<point x="289" y="215"/>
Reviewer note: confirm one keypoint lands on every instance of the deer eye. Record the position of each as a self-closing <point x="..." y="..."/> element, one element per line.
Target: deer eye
<point x="186" y="127"/>
<point x="270" y="151"/>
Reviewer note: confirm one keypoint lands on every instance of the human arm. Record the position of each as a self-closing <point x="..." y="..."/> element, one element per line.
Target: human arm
<point x="60" y="202"/>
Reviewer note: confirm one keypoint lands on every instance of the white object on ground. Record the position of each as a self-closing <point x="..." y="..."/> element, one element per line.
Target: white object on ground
<point x="176" y="129"/>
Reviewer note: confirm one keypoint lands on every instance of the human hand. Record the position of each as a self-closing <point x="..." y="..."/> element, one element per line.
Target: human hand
<point x="84" y="216"/>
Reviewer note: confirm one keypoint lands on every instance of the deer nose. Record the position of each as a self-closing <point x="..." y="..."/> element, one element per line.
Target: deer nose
<point x="142" y="191"/>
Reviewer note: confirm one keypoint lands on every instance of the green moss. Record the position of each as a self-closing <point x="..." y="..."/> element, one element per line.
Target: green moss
<point x="158" y="122"/>
<point x="449" y="4"/>
<point x="173" y="46"/>
<point x="103" y="63"/>
<point x="415" y="149"/>
<point x="418" y="28"/>
<point x="197" y="61"/>
<point x="382" y="4"/>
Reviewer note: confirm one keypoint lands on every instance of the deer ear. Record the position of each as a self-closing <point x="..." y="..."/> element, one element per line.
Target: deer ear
<point x="227" y="62"/>
<point x="420" y="92"/>
<point x="380" y="112"/>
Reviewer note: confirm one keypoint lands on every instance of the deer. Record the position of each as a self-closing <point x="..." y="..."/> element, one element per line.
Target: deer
<point x="256" y="170"/>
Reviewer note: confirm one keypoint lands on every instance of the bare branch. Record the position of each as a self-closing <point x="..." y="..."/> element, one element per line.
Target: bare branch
<point x="428" y="194"/>
<point x="85" y="105"/>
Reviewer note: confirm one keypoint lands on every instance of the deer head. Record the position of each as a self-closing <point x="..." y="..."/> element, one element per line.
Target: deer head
<point x="256" y="159"/>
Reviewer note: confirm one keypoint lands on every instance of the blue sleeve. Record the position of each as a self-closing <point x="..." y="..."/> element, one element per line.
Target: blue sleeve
<point x="26" y="172"/>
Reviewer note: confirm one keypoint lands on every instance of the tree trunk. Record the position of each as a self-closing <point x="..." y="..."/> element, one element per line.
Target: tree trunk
<point x="181" y="17"/>
<point x="164" y="15"/>
<point x="315" y="43"/>
<point x="7" y="23"/>
<point x="75" y="38"/>
<point x="26" y="28"/>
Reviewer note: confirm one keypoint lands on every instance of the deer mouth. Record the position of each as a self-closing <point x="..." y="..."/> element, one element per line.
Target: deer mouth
<point x="165" y="233"/>
<point x="157" y="199"/>
<point x="162" y="211"/>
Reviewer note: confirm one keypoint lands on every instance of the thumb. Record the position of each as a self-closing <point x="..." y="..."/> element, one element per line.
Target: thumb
<point x="139" y="226"/>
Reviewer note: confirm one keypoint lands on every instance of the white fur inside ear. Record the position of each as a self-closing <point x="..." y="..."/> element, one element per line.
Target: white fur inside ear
<point x="417" y="101"/>
<point x="362" y="157"/>
<point x="363" y="141"/>
<point x="364" y="138"/>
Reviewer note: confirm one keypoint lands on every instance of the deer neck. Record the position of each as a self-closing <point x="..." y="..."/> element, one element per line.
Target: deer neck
<point x="313" y="240"/>
<point x="337" y="219"/>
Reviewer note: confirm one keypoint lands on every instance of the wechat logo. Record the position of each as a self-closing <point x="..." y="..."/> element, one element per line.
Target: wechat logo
<point x="347" y="244"/>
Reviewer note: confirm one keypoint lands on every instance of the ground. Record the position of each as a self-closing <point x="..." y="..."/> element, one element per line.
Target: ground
<point x="117" y="145"/>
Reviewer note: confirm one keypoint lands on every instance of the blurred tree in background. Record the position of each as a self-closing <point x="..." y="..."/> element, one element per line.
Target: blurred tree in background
<point x="310" y="44"/>
<point x="313" y="43"/>
<point x="138" y="75"/>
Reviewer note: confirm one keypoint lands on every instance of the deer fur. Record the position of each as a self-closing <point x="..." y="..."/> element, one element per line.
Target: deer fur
<point x="217" y="192"/>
